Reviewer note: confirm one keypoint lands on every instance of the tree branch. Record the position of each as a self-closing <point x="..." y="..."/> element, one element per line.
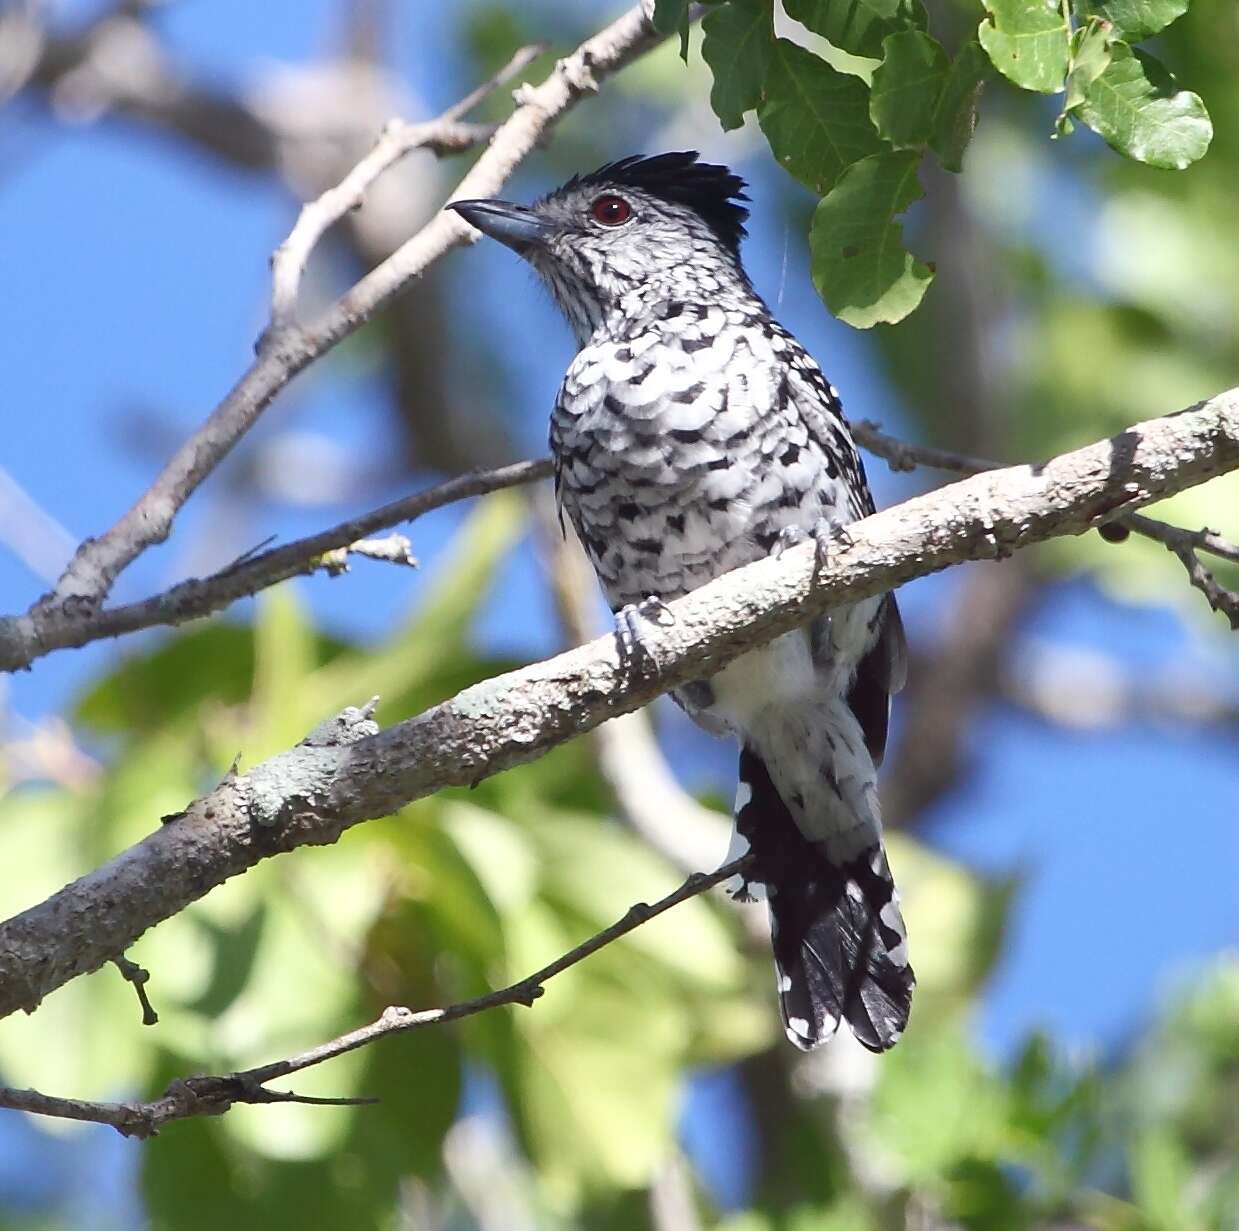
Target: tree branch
<point x="23" y="639"/>
<point x="347" y="772"/>
<point x="94" y="568"/>
<point x="208" y="1096"/>
<point x="446" y="134"/>
<point x="901" y="455"/>
<point x="1185" y="544"/>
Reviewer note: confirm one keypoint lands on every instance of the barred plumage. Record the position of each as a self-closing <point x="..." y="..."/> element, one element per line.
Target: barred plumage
<point x="693" y="434"/>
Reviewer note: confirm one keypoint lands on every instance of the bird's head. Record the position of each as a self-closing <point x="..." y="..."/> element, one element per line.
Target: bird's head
<point x="667" y="223"/>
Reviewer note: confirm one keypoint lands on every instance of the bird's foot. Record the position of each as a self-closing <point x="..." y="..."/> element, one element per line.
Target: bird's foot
<point x="742" y="893"/>
<point x="632" y="623"/>
<point x="829" y="532"/>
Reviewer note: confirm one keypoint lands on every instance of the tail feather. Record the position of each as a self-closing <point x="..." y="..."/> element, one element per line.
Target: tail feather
<point x="839" y="942"/>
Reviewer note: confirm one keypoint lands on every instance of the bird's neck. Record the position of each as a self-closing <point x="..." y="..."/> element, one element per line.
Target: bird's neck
<point x="660" y="298"/>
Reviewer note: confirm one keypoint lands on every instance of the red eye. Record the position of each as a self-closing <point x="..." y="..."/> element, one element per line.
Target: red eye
<point x="611" y="211"/>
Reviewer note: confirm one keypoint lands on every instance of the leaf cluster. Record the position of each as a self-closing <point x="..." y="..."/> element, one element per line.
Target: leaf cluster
<point x="854" y="117"/>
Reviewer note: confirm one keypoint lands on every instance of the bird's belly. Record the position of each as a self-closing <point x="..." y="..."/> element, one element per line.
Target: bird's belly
<point x="780" y="673"/>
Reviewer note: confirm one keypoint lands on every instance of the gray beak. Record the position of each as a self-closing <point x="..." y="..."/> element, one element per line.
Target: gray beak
<point x="517" y="226"/>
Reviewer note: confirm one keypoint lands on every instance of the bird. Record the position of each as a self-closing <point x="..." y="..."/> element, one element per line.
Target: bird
<point x="693" y="434"/>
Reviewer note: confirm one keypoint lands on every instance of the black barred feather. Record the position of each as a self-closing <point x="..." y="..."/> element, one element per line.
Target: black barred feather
<point x="840" y="949"/>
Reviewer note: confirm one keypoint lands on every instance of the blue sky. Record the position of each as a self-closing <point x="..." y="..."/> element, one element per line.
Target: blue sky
<point x="135" y="278"/>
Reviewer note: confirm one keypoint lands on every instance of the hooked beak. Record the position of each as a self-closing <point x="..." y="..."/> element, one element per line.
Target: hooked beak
<point x="517" y="226"/>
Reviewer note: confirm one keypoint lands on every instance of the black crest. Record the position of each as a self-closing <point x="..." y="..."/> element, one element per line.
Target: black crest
<point x="713" y="192"/>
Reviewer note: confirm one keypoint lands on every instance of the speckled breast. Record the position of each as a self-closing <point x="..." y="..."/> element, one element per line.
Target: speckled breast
<point x="681" y="453"/>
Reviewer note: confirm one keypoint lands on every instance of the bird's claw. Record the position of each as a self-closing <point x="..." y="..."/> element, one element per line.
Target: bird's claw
<point x="828" y="533"/>
<point x="631" y="635"/>
<point x="742" y="893"/>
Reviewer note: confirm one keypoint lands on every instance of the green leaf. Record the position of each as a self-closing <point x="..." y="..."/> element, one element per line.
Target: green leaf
<point x="284" y="658"/>
<point x="1137" y="108"/>
<point x="671" y="17"/>
<point x="815" y="117"/>
<point x="1028" y="42"/>
<point x="956" y="114"/>
<point x="857" y="26"/>
<point x="1090" y="56"/>
<point x="737" y="44"/>
<point x="1133" y="20"/>
<point x="1161" y="1172"/>
<point x="151" y="690"/>
<point x="903" y="98"/>
<point x="234" y="947"/>
<point x="860" y="267"/>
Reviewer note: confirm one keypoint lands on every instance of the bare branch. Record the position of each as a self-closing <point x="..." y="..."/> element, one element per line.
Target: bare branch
<point x="94" y="568"/>
<point x="1220" y="598"/>
<point x="26" y="638"/>
<point x="900" y="455"/>
<point x="513" y="68"/>
<point x="346" y="772"/>
<point x="445" y="135"/>
<point x="1173" y="537"/>
<point x="205" y="1096"/>
<point x="397" y="139"/>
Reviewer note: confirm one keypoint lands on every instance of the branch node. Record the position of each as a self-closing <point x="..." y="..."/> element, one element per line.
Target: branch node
<point x="397" y="1017"/>
<point x="138" y="977"/>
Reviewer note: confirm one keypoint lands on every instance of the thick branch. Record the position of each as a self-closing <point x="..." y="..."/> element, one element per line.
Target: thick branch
<point x="93" y="569"/>
<point x="208" y="1096"/>
<point x="343" y="774"/>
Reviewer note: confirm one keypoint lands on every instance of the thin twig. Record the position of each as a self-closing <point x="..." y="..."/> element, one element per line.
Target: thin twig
<point x="900" y="455"/>
<point x="513" y="68"/>
<point x="398" y="138"/>
<point x="138" y="977"/>
<point x="23" y="639"/>
<point x="95" y="566"/>
<point x="199" y="1096"/>
<point x="1220" y="598"/>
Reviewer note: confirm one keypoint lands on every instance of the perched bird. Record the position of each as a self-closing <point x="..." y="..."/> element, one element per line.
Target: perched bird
<point x="693" y="434"/>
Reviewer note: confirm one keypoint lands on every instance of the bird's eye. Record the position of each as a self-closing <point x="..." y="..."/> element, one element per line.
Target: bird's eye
<point x="611" y="211"/>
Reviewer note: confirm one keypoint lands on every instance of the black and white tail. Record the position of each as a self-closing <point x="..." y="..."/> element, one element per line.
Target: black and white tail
<point x="840" y="947"/>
